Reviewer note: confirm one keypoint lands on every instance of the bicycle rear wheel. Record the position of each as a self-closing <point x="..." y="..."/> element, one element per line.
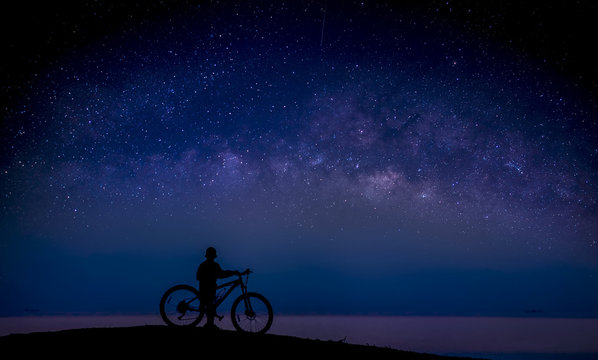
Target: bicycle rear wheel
<point x="180" y="306"/>
<point x="252" y="312"/>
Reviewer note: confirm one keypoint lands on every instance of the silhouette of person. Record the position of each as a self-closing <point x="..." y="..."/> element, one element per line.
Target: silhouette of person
<point x="208" y="273"/>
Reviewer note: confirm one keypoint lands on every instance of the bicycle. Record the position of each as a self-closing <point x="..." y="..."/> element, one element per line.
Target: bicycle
<point x="250" y="312"/>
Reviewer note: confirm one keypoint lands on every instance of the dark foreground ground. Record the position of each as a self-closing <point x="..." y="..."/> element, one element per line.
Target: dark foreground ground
<point x="191" y="343"/>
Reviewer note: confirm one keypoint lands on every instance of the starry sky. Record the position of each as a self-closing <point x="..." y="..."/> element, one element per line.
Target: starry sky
<point x="362" y="157"/>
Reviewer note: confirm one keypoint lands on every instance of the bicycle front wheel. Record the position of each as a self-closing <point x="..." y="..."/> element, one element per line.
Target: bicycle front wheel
<point x="180" y="306"/>
<point x="252" y="313"/>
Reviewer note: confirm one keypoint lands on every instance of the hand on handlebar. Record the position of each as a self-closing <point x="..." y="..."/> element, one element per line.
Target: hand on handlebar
<point x="238" y="273"/>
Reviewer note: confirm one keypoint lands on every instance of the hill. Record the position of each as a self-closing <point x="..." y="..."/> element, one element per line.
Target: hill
<point x="194" y="342"/>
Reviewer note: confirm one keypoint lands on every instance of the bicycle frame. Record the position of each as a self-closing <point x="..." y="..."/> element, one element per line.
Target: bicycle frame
<point x="233" y="285"/>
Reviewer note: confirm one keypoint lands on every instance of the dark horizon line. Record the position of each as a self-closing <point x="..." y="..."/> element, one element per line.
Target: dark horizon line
<point x="524" y="314"/>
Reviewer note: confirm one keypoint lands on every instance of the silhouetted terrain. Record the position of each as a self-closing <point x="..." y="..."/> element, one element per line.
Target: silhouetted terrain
<point x="190" y="343"/>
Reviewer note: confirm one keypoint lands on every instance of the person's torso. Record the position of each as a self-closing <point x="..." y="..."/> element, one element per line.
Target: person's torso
<point x="208" y="274"/>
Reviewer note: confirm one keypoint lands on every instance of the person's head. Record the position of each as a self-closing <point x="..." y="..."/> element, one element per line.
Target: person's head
<point x="210" y="253"/>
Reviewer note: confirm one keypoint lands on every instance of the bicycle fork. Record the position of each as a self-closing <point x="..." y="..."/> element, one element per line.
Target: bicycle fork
<point x="248" y="309"/>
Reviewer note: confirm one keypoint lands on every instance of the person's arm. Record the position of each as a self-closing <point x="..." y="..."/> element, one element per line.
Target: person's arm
<point x="226" y="273"/>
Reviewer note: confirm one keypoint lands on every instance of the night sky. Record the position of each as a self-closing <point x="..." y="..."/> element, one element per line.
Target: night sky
<point x="362" y="157"/>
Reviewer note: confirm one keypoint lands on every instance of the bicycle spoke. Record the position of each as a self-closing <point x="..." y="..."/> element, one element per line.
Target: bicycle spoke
<point x="180" y="306"/>
<point x="252" y="313"/>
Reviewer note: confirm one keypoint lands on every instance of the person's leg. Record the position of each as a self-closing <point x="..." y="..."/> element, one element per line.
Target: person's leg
<point x="210" y="309"/>
<point x="210" y="315"/>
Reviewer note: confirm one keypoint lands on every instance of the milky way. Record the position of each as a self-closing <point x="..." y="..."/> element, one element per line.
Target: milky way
<point x="259" y="116"/>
